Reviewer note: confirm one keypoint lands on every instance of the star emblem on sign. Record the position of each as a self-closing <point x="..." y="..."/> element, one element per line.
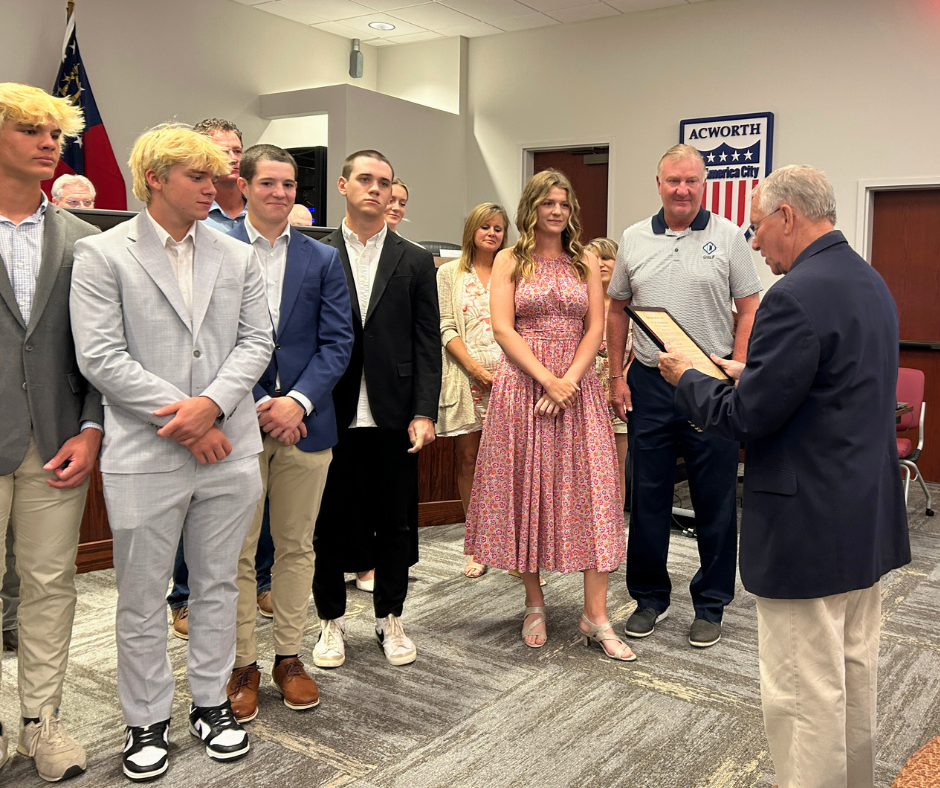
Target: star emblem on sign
<point x="709" y="248"/>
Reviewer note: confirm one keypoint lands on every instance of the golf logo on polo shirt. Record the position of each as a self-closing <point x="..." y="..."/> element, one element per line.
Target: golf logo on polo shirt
<point x="709" y="248"/>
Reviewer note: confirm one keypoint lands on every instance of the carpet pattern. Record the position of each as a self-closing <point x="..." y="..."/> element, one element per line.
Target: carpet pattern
<point x="478" y="708"/>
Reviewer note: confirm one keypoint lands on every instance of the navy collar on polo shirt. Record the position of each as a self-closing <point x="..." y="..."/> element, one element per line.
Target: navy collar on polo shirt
<point x="700" y="222"/>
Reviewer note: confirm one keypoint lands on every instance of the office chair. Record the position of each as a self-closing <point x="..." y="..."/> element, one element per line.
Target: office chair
<point x="911" y="391"/>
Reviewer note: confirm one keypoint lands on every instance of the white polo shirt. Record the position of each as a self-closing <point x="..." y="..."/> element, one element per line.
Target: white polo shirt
<point x="695" y="274"/>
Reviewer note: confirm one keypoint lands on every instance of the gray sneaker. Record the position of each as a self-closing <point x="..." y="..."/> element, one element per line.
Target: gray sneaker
<point x="643" y="621"/>
<point x="703" y="634"/>
<point x="57" y="755"/>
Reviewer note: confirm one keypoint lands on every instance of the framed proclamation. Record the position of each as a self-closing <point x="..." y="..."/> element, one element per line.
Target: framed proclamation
<point x="661" y="327"/>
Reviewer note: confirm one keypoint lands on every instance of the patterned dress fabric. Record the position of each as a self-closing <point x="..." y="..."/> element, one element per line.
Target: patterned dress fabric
<point x="479" y="339"/>
<point x="546" y="492"/>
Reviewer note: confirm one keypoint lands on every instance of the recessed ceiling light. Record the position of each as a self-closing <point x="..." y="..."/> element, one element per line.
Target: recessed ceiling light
<point x="381" y="26"/>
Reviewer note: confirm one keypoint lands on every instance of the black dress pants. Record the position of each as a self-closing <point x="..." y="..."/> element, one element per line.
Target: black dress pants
<point x="368" y="519"/>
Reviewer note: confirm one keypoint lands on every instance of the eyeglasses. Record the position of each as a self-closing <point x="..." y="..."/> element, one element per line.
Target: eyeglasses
<point x="755" y="227"/>
<point x="73" y="203"/>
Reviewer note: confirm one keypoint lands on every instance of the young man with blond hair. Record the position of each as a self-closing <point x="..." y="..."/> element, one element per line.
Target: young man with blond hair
<point x="50" y="429"/>
<point x="171" y="325"/>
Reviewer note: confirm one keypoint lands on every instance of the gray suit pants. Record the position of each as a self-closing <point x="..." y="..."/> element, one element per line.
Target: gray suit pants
<point x="212" y="506"/>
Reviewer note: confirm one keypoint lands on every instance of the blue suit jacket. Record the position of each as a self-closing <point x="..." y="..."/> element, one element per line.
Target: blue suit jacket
<point x="314" y="337"/>
<point x="823" y="507"/>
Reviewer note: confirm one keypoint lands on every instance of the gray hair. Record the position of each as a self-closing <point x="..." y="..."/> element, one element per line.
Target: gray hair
<point x="801" y="186"/>
<point x="65" y="180"/>
<point x="681" y="151"/>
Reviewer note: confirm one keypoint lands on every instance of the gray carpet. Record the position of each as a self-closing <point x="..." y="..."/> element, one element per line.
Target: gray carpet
<point x="478" y="708"/>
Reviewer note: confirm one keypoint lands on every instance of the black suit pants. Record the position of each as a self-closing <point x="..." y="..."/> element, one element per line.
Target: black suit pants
<point x="368" y="519"/>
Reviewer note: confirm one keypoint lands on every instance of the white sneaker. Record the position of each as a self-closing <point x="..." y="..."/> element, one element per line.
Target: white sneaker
<point x="56" y="754"/>
<point x="330" y="651"/>
<point x="398" y="647"/>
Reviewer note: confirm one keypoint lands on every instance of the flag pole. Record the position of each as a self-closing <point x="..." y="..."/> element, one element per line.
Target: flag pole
<point x="71" y="8"/>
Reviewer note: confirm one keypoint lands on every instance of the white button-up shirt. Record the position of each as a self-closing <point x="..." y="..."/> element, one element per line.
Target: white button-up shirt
<point x="273" y="262"/>
<point x="181" y="255"/>
<point x="364" y="262"/>
<point x="21" y="249"/>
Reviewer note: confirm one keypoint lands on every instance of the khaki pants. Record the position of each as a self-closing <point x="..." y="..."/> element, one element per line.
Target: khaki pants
<point x="45" y="523"/>
<point x="293" y="482"/>
<point x="818" y="675"/>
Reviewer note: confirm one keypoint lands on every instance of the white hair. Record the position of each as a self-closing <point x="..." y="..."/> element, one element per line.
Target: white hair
<point x="807" y="190"/>
<point x="65" y="180"/>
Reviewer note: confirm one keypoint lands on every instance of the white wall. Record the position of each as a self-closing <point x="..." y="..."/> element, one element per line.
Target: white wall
<point x="426" y="147"/>
<point x="853" y="84"/>
<point x="155" y="60"/>
<point x="426" y="73"/>
<point x="310" y="130"/>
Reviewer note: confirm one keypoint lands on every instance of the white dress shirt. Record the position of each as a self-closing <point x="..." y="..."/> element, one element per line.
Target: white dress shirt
<point x="181" y="255"/>
<point x="364" y="262"/>
<point x="273" y="262"/>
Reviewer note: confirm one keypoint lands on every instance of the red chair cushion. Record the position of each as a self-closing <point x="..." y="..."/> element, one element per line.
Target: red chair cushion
<point x="905" y="447"/>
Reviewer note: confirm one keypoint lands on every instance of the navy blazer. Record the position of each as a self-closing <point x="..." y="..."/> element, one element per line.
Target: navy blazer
<point x="823" y="506"/>
<point x="314" y="337"/>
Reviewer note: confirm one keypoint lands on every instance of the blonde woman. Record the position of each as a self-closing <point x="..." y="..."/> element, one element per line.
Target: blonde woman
<point x="546" y="493"/>
<point x="604" y="251"/>
<point x="470" y="351"/>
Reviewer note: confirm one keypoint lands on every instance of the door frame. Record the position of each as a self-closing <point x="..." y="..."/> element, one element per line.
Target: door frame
<point x="527" y="153"/>
<point x="865" y="207"/>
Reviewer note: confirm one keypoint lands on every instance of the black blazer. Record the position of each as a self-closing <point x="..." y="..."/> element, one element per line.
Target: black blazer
<point x="400" y="345"/>
<point x="823" y="506"/>
<point x="41" y="387"/>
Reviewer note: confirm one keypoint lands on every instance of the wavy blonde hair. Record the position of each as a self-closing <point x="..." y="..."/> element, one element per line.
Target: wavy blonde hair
<point x="535" y="191"/>
<point x="477" y="218"/>
<point x="33" y="106"/>
<point x="169" y="144"/>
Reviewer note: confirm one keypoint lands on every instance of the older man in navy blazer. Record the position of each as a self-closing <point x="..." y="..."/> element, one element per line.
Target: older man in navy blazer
<point x="309" y="305"/>
<point x="823" y="517"/>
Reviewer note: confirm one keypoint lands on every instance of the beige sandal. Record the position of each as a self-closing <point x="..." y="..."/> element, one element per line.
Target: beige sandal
<point x="474" y="569"/>
<point x="529" y="631"/>
<point x="600" y="633"/>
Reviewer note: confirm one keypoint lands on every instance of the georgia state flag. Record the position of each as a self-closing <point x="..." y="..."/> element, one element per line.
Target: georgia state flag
<point x="90" y="153"/>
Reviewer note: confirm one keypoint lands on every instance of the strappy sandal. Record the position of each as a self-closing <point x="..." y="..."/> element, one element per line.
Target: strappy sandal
<point x="529" y="631"/>
<point x="600" y="633"/>
<point x="474" y="569"/>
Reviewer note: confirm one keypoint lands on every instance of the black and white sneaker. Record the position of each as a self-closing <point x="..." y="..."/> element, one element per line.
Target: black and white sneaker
<point x="225" y="739"/>
<point x="145" y="751"/>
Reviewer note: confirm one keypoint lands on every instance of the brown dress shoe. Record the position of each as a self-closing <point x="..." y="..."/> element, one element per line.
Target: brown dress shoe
<point x="264" y="604"/>
<point x="298" y="688"/>
<point x="181" y="622"/>
<point x="243" y="692"/>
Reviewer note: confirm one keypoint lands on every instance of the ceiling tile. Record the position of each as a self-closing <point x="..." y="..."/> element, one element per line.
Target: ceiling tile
<point x="253" y="2"/>
<point x="380" y="42"/>
<point x="331" y="10"/>
<point x="489" y="11"/>
<point x="433" y="16"/>
<point x="338" y="29"/>
<point x="525" y="22"/>
<point x="361" y="24"/>
<point x="582" y="13"/>
<point x="627" y="6"/>
<point x="390" y="5"/>
<point x="470" y="31"/>
<point x="297" y="10"/>
<point x="554" y="5"/>
<point x="413" y="38"/>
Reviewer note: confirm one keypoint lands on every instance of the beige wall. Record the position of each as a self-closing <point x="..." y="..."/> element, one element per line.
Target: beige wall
<point x="155" y="60"/>
<point x="853" y="84"/>
<point x="426" y="73"/>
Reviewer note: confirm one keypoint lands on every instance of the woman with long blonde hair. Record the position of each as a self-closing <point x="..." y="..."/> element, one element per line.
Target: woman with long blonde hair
<point x="470" y="352"/>
<point x="546" y="493"/>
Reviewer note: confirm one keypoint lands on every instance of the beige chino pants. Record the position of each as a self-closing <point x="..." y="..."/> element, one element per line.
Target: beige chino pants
<point x="293" y="481"/>
<point x="819" y="679"/>
<point x="45" y="523"/>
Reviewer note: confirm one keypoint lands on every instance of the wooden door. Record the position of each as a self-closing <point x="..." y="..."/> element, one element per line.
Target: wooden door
<point x="587" y="171"/>
<point x="906" y="252"/>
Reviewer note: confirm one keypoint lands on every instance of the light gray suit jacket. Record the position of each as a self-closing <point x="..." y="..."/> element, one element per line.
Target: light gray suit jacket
<point x="137" y="343"/>
<point x="41" y="389"/>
